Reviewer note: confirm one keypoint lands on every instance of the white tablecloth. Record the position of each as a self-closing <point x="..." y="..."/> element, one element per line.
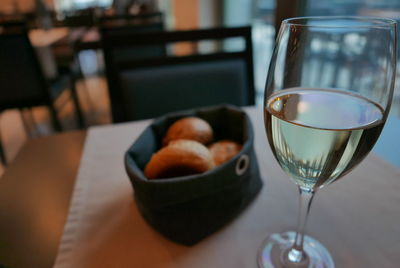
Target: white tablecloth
<point x="356" y="218"/>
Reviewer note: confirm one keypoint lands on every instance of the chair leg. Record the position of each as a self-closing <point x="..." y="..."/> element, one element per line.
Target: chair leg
<point x="2" y="154"/>
<point x="85" y="90"/>
<point x="54" y="118"/>
<point x="25" y="124"/>
<point x="3" y="158"/>
<point x="75" y="100"/>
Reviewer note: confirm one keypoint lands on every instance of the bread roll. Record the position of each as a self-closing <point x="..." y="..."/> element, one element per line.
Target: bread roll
<point x="179" y="158"/>
<point x="189" y="128"/>
<point x="224" y="150"/>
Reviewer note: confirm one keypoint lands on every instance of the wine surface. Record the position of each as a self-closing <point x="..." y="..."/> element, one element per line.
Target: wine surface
<point x="318" y="135"/>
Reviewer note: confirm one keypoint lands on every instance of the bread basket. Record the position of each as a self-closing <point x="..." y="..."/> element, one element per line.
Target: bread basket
<point x="189" y="208"/>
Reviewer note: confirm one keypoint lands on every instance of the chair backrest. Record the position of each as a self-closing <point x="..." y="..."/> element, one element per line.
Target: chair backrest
<point x="127" y="53"/>
<point x="127" y="25"/>
<point x="150" y="87"/>
<point x="127" y="19"/>
<point x="22" y="83"/>
<point x="8" y="26"/>
<point x="81" y="18"/>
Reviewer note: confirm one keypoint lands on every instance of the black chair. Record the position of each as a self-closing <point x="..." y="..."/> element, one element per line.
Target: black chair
<point x="67" y="62"/>
<point x="128" y="19"/>
<point x="127" y="25"/>
<point x="145" y="88"/>
<point x="22" y="81"/>
<point x="81" y="18"/>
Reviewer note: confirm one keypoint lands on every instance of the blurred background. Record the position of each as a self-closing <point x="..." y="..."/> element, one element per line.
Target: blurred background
<point x="81" y="44"/>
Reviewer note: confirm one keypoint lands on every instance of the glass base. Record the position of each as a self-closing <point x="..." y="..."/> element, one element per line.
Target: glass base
<point x="274" y="253"/>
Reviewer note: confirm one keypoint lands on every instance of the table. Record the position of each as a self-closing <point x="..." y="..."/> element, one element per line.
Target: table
<point x="356" y="218"/>
<point x="91" y="39"/>
<point x="42" y="40"/>
<point x="35" y="192"/>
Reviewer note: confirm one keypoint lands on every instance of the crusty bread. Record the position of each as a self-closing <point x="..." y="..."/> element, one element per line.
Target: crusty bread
<point x="224" y="150"/>
<point x="189" y="128"/>
<point x="179" y="158"/>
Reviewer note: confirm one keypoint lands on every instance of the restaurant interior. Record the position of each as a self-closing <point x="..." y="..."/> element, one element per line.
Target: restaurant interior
<point x="67" y="41"/>
<point x="74" y="66"/>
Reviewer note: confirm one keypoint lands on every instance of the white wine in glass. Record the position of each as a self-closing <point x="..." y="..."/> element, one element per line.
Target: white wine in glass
<point x="327" y="97"/>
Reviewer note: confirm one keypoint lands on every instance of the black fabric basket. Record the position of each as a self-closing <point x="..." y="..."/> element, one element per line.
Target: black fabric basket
<point x="189" y="208"/>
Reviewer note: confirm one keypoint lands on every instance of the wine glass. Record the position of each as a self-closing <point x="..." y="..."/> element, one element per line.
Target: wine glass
<point x="327" y="96"/>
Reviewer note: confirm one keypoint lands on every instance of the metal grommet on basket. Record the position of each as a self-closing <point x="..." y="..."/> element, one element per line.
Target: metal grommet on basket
<point x="242" y="164"/>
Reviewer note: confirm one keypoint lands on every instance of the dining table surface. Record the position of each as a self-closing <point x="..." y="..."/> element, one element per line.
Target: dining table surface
<point x="46" y="37"/>
<point x="66" y="201"/>
<point x="42" y="40"/>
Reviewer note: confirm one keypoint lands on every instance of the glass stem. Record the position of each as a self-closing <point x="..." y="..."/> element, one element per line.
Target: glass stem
<point x="296" y="253"/>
